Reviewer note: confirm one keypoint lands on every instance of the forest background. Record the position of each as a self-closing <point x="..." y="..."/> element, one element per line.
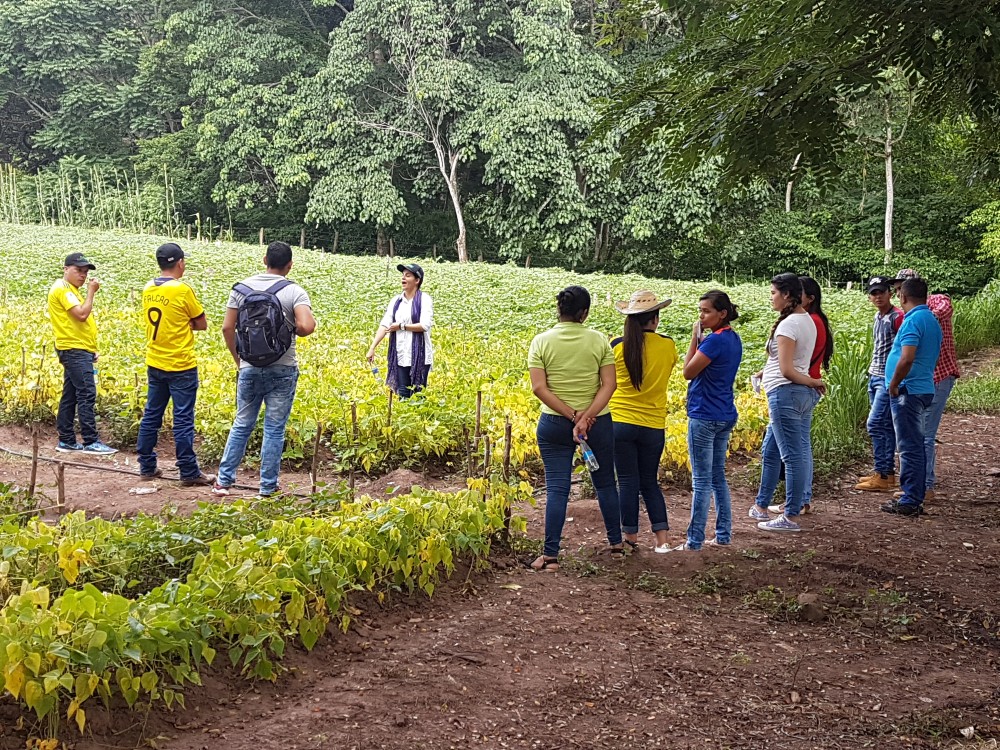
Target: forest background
<point x="466" y="130"/>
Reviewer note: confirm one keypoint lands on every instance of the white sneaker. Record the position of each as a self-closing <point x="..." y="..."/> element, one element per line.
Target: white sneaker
<point x="662" y="549"/>
<point x="776" y="508"/>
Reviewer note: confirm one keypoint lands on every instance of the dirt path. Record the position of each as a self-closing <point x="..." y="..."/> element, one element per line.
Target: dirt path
<point x="895" y="643"/>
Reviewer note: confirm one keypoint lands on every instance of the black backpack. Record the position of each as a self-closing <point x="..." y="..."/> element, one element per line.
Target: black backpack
<point x="263" y="333"/>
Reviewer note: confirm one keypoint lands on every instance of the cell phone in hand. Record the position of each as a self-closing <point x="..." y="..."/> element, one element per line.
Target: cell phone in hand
<point x="755" y="383"/>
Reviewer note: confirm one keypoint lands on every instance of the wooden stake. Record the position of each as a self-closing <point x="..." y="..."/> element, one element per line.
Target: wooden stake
<point x="189" y="232"/>
<point x="60" y="485"/>
<point x="486" y="457"/>
<point x="506" y="451"/>
<point x="388" y="419"/>
<point x="34" y="460"/>
<point x="336" y="240"/>
<point x="24" y="362"/>
<point x="354" y="421"/>
<point x="479" y="414"/>
<point x="262" y="236"/>
<point x="302" y="238"/>
<point x="468" y="452"/>
<point x="315" y="462"/>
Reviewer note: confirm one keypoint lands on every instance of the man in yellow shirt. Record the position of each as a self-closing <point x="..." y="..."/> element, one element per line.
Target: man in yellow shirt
<point x="71" y="312"/>
<point x="171" y="313"/>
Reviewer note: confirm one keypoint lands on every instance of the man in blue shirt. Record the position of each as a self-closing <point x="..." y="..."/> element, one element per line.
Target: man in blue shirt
<point x="909" y="374"/>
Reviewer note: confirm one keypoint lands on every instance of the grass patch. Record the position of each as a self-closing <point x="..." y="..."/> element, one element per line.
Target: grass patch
<point x="977" y="395"/>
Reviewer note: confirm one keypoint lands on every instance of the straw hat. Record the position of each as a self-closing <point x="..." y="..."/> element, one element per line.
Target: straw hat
<point x="643" y="301"/>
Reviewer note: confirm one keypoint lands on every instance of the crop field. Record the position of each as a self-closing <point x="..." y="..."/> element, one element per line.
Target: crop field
<point x="485" y="317"/>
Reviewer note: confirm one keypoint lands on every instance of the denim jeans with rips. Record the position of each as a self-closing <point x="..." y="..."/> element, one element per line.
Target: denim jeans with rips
<point x="274" y="387"/>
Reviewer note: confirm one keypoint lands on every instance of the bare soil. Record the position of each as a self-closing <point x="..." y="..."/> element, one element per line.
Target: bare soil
<point x="869" y="630"/>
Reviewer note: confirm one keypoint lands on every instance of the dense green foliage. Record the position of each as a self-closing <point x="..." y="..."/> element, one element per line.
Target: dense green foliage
<point x="136" y="609"/>
<point x="431" y="127"/>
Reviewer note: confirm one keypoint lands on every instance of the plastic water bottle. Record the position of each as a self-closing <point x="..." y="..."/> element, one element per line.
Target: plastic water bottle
<point x="375" y="371"/>
<point x="588" y="456"/>
<point x="95" y="374"/>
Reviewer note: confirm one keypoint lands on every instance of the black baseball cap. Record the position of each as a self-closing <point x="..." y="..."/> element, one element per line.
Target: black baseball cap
<point x="880" y="284"/>
<point x="169" y="252"/>
<point x="77" y="259"/>
<point x="412" y="268"/>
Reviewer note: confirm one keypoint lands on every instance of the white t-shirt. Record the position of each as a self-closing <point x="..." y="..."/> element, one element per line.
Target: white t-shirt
<point x="404" y="339"/>
<point x="800" y="328"/>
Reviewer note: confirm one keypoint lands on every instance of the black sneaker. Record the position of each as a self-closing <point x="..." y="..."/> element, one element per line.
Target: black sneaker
<point x="202" y="480"/>
<point x="900" y="509"/>
<point x="154" y="474"/>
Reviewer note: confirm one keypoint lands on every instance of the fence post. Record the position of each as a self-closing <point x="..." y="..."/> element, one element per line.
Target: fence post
<point x="315" y="459"/>
<point x="34" y="460"/>
<point x="262" y="236"/>
<point x="302" y="239"/>
<point x="60" y="486"/>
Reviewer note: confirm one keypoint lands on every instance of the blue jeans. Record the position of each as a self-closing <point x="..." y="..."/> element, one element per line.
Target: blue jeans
<point x="787" y="441"/>
<point x="79" y="395"/>
<point x="708" y="442"/>
<point x="163" y="386"/>
<point x="932" y="420"/>
<point x="880" y="426"/>
<point x="908" y="415"/>
<point x="555" y="442"/>
<point x="637" y="459"/>
<point x="405" y="387"/>
<point x="273" y="386"/>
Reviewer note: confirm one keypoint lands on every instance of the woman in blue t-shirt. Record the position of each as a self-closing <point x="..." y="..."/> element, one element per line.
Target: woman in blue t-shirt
<point x="710" y="364"/>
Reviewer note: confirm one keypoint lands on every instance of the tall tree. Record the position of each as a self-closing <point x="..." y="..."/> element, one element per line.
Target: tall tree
<point x="757" y="83"/>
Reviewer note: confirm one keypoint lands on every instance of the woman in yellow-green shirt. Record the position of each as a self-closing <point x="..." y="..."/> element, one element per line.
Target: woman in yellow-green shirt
<point x="644" y="360"/>
<point x="573" y="375"/>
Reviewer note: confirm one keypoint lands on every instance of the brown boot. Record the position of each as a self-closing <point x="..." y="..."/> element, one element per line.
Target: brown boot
<point x="878" y="483"/>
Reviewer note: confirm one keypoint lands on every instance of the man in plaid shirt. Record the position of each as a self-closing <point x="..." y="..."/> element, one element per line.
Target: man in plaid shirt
<point x="945" y="373"/>
<point x="887" y="321"/>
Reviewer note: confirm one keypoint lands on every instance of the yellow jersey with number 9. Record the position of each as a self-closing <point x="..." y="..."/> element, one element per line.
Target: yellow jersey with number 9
<point x="168" y="307"/>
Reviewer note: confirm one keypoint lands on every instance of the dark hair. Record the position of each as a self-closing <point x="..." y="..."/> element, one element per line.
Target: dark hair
<point x="634" y="345"/>
<point x="573" y="302"/>
<point x="279" y="255"/>
<point x="721" y="302"/>
<point x="811" y="288"/>
<point x="787" y="283"/>
<point x="915" y="289"/>
<point x="166" y="265"/>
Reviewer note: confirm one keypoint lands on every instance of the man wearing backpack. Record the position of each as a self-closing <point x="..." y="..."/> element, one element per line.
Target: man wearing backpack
<point x="263" y="316"/>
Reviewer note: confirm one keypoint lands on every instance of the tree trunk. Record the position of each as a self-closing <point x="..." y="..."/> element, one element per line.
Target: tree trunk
<point x="598" y="242"/>
<point x="791" y="181"/>
<point x="448" y="164"/>
<point x="381" y="243"/>
<point x="889" y="195"/>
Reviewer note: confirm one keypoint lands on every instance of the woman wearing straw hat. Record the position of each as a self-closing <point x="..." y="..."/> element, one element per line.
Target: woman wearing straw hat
<point x="573" y="374"/>
<point x="644" y="360"/>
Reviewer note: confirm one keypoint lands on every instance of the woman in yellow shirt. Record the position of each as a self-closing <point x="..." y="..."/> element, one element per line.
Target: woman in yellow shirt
<point x="644" y="360"/>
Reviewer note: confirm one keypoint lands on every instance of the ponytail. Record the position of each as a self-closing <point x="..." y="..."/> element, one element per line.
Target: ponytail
<point x="634" y="345"/>
<point x="811" y="288"/>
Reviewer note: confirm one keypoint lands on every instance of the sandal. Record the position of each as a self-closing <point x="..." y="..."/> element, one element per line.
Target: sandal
<point x="617" y="552"/>
<point x="632" y="546"/>
<point x="543" y="564"/>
